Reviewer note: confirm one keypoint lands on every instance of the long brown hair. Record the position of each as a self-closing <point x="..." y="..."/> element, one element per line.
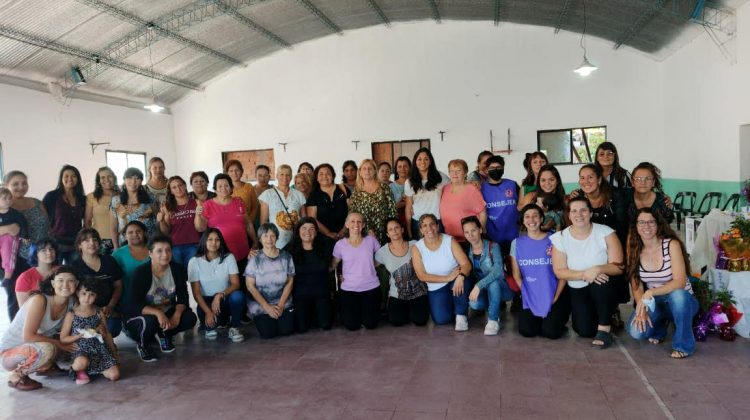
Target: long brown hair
<point x="171" y="200"/>
<point x="635" y="244"/>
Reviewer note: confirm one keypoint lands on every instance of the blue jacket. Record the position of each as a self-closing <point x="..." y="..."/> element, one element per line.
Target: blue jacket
<point x="492" y="267"/>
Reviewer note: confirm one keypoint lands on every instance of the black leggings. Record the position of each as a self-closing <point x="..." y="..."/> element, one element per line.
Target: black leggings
<point x="143" y="328"/>
<point x="592" y="306"/>
<point x="552" y="326"/>
<point x="10" y="288"/>
<point x="312" y="312"/>
<point x="360" y="308"/>
<point x="269" y="327"/>
<point x="401" y="312"/>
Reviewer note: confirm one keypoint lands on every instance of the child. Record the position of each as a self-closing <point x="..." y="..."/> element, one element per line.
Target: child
<point x="12" y="227"/>
<point x="553" y="212"/>
<point x="86" y="325"/>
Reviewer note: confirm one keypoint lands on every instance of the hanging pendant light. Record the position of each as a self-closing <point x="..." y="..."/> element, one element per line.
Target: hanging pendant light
<point x="586" y="67"/>
<point x="154" y="105"/>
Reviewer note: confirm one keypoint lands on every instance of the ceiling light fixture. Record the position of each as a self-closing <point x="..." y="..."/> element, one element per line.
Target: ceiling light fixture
<point x="153" y="106"/>
<point x="77" y="75"/>
<point x="586" y="67"/>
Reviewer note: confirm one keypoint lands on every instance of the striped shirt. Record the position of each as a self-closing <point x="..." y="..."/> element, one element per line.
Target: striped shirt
<point x="663" y="275"/>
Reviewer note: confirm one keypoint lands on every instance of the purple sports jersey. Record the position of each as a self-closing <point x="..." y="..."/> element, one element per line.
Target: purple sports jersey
<point x="534" y="258"/>
<point x="502" y="211"/>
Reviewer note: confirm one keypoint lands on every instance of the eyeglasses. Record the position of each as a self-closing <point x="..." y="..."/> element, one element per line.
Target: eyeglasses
<point x="646" y="223"/>
<point x="606" y="153"/>
<point x="643" y="179"/>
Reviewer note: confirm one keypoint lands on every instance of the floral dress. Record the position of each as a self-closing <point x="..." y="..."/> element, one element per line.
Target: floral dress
<point x="376" y="208"/>
<point x="100" y="358"/>
<point x="143" y="212"/>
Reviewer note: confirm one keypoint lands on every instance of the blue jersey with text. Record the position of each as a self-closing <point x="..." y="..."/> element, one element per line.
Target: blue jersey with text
<point x="502" y="211"/>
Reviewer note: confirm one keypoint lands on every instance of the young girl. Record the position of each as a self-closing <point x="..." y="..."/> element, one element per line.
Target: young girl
<point x="553" y="212"/>
<point x="86" y="326"/>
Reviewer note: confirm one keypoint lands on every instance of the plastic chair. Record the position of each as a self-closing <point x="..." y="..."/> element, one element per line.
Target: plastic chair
<point x="713" y="198"/>
<point x="733" y="203"/>
<point x="681" y="208"/>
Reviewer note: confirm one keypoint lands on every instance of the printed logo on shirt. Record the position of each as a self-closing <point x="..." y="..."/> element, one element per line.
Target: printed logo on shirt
<point x="508" y="192"/>
<point x="501" y="203"/>
<point x="534" y="261"/>
<point x="530" y="279"/>
<point x="549" y="250"/>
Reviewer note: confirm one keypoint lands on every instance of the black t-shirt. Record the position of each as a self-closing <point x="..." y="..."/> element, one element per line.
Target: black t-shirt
<point x="331" y="213"/>
<point x="14" y="216"/>
<point x="108" y="273"/>
<point x="310" y="276"/>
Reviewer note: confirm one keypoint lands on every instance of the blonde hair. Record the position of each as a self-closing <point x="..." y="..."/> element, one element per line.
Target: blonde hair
<point x="361" y="182"/>
<point x="305" y="177"/>
<point x="284" y="166"/>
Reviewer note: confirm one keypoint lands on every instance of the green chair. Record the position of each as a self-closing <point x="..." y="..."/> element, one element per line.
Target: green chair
<point x="733" y="203"/>
<point x="711" y="200"/>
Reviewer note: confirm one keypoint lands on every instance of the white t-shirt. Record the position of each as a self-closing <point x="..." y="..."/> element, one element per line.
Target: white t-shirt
<point x="426" y="202"/>
<point x="583" y="254"/>
<point x="212" y="275"/>
<point x="439" y="262"/>
<point x="277" y="215"/>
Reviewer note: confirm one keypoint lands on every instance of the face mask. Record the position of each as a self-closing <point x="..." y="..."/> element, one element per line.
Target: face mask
<point x="496" y="174"/>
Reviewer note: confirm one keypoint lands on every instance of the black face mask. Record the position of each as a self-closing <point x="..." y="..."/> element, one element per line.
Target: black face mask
<point x="496" y="174"/>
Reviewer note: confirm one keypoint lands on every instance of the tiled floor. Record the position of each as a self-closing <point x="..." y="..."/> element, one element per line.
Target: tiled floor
<point x="405" y="373"/>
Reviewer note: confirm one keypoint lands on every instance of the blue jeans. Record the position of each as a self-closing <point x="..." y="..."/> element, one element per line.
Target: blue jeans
<point x="679" y="306"/>
<point x="183" y="253"/>
<point x="233" y="305"/>
<point x="490" y="298"/>
<point x="444" y="306"/>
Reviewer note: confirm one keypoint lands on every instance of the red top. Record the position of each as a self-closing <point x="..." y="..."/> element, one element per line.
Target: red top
<point x="230" y="220"/>
<point x="183" y="224"/>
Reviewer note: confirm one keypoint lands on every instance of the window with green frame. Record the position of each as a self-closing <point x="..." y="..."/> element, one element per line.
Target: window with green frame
<point x="571" y="146"/>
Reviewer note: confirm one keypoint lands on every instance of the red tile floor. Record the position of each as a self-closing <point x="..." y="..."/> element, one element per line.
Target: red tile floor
<point x="405" y="373"/>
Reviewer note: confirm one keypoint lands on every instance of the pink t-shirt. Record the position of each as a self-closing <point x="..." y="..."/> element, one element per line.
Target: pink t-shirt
<point x="454" y="207"/>
<point x="28" y="281"/>
<point x="183" y="225"/>
<point x="230" y="220"/>
<point x="358" y="264"/>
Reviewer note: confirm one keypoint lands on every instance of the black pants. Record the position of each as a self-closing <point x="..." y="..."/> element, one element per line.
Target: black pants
<point x="143" y="328"/>
<point x="622" y="289"/>
<point x="270" y="328"/>
<point x="401" y="312"/>
<point x="360" y="308"/>
<point x="591" y="306"/>
<point x="312" y="312"/>
<point x="552" y="326"/>
<point x="10" y="287"/>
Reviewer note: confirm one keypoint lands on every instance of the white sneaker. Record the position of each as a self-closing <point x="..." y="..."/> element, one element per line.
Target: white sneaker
<point x="462" y="323"/>
<point x="210" y="334"/>
<point x="492" y="328"/>
<point x="235" y="335"/>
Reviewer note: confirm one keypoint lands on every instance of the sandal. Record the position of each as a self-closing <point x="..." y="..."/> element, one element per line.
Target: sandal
<point x="655" y="341"/>
<point x="676" y="354"/>
<point x="24" y="383"/>
<point x="605" y="337"/>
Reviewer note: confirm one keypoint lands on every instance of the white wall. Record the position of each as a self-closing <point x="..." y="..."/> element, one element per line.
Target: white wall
<point x="39" y="135"/>
<point x="413" y="80"/>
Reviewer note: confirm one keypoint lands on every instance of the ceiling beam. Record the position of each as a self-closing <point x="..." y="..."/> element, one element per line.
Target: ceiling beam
<point x="140" y="23"/>
<point x="497" y="12"/>
<point x="229" y="10"/>
<point x="563" y="16"/>
<point x="434" y="10"/>
<point x="374" y="6"/>
<point x="320" y="15"/>
<point x="639" y="23"/>
<point x="93" y="57"/>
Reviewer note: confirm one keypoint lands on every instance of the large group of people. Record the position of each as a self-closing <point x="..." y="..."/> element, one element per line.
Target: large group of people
<point x="308" y="252"/>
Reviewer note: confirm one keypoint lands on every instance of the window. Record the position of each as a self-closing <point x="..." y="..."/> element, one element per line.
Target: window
<point x="571" y="145"/>
<point x="249" y="160"/>
<point x="389" y="151"/>
<point x="119" y="161"/>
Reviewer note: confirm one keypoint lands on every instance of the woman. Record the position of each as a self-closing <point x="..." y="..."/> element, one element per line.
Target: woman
<point x="608" y="161"/>
<point x="657" y="268"/>
<point x="29" y="344"/>
<point x="130" y="256"/>
<point x="328" y="205"/>
<point x="176" y="219"/>
<point x="269" y="277"/>
<point x="422" y="191"/>
<point x="282" y="206"/>
<point x="440" y="262"/>
<point x="133" y="203"/>
<point x="384" y="174"/>
<point x="262" y="176"/>
<point x="215" y="281"/>
<point x="479" y="175"/>
<point x="240" y="189"/>
<point x="98" y="210"/>
<point x="199" y="184"/>
<point x="536" y="161"/>
<point x="66" y="206"/>
<point x="38" y="227"/>
<point x="407" y="296"/>
<point x="105" y="270"/>
<point x="43" y="261"/>
<point x="647" y="193"/>
<point x="159" y="301"/>
<point x="228" y="214"/>
<point x="349" y="175"/>
<point x="360" y="287"/>
<point x="305" y="168"/>
<point x="586" y="255"/>
<point x="372" y="199"/>
<point x="546" y="304"/>
<point x="459" y="200"/>
<point x="403" y="167"/>
<point x="311" y="292"/>
<point x="303" y="184"/>
<point x="548" y="181"/>
<point x="487" y="274"/>
<point x="156" y="184"/>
